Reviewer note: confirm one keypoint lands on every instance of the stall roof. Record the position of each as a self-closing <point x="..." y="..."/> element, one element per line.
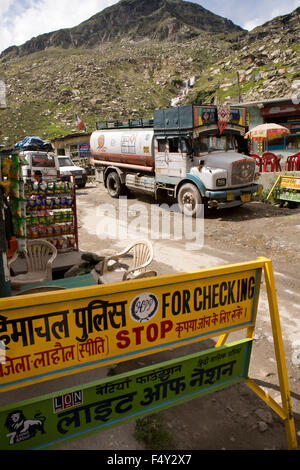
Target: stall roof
<point x="74" y="134"/>
<point x="287" y="100"/>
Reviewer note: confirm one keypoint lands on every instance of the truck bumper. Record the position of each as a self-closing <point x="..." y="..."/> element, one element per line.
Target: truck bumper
<point x="233" y="197"/>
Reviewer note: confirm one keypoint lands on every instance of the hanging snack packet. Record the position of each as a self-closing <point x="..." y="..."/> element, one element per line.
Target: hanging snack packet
<point x="5" y="166"/>
<point x="14" y="189"/>
<point x="15" y="206"/>
<point x="6" y="187"/>
<point x="43" y="188"/>
<point x="35" y="187"/>
<point x="31" y="204"/>
<point x="34" y="219"/>
<point x="49" y="203"/>
<point x="71" y="242"/>
<point x="18" y="227"/>
<point x="50" y="187"/>
<point x="56" y="204"/>
<point x="27" y="189"/>
<point x="14" y="172"/>
<point x="38" y="203"/>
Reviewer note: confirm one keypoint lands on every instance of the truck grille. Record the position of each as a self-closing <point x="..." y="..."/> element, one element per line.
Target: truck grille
<point x="243" y="172"/>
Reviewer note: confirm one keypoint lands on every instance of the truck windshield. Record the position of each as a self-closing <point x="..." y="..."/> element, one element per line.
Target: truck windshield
<point x="65" y="161"/>
<point x="211" y="143"/>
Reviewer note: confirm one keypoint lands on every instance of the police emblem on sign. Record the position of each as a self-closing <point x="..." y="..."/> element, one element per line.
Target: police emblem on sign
<point x="143" y="307"/>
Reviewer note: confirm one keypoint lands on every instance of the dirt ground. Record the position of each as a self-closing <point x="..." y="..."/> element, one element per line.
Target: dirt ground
<point x="234" y="418"/>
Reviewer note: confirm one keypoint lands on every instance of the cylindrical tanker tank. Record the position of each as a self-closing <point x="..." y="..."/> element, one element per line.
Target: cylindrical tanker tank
<point x="130" y="148"/>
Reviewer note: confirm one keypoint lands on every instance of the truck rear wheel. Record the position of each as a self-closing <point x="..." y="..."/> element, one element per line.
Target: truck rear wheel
<point x="189" y="200"/>
<point x="113" y="185"/>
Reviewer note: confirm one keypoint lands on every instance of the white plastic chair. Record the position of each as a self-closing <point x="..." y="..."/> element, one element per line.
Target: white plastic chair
<point x="39" y="257"/>
<point x="140" y="251"/>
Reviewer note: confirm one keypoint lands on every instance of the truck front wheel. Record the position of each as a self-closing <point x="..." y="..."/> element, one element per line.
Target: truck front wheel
<point x="189" y="200"/>
<point x="113" y="184"/>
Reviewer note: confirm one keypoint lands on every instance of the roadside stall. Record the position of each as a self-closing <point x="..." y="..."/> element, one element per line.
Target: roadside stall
<point x="40" y="210"/>
<point x="34" y="211"/>
<point x="13" y="190"/>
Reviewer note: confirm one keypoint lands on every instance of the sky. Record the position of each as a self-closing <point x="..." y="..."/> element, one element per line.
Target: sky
<point x="20" y="20"/>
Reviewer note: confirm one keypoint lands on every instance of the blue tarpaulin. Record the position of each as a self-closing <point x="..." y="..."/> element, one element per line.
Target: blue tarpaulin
<point x="33" y="142"/>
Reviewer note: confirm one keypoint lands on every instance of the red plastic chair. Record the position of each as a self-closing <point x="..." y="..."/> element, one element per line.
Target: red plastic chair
<point x="269" y="158"/>
<point x="297" y="162"/>
<point x="258" y="161"/>
<point x="289" y="163"/>
<point x="293" y="162"/>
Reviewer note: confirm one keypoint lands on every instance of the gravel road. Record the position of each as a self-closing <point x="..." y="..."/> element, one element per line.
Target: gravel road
<point x="234" y="418"/>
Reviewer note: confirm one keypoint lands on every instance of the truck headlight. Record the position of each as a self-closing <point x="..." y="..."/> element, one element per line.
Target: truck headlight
<point x="221" y="181"/>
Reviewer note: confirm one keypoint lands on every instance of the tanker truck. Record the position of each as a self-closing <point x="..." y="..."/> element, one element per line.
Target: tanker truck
<point x="189" y="152"/>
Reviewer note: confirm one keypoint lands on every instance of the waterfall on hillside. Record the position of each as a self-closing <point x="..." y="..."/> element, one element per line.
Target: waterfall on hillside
<point x="186" y="85"/>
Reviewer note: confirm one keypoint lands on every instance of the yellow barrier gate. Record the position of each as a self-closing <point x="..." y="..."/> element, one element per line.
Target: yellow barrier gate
<point x="52" y="335"/>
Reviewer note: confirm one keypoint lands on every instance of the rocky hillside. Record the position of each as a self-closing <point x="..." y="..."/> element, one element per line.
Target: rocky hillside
<point x="164" y="51"/>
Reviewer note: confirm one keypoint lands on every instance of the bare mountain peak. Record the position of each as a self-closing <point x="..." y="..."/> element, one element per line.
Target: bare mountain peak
<point x="135" y="20"/>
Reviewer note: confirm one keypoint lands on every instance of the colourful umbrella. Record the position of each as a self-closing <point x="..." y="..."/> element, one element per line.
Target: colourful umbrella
<point x="267" y="131"/>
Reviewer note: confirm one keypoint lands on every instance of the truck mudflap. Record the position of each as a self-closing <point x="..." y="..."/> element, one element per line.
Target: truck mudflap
<point x="237" y="195"/>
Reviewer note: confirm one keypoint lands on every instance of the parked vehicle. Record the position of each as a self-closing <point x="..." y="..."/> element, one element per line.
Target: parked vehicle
<point x="187" y="152"/>
<point x="46" y="162"/>
<point x="68" y="169"/>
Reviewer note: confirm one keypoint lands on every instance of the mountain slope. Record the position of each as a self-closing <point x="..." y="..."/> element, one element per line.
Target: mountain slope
<point x="131" y="19"/>
<point x="139" y="72"/>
